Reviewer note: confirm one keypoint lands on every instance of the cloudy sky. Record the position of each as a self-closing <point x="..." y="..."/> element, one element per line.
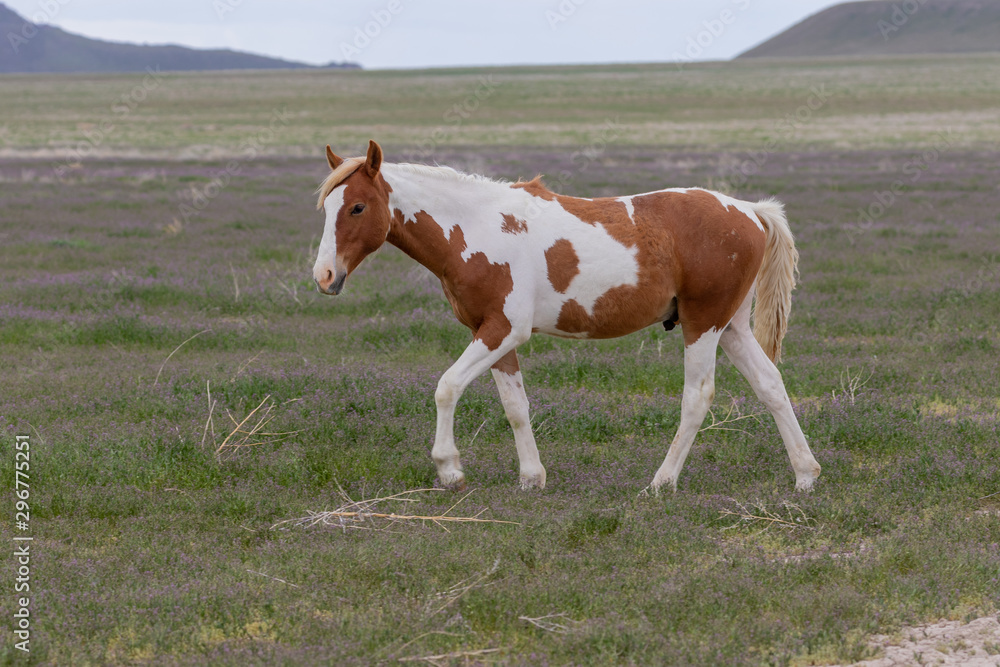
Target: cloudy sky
<point x="436" y="33"/>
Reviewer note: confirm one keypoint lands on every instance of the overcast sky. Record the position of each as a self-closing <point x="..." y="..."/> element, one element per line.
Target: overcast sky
<point x="437" y="33"/>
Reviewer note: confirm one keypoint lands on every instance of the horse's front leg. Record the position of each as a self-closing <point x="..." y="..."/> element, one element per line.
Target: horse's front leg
<point x="475" y="361"/>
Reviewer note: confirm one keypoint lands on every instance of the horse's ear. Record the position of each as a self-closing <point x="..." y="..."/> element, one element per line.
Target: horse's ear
<point x="332" y="158"/>
<point x="374" y="160"/>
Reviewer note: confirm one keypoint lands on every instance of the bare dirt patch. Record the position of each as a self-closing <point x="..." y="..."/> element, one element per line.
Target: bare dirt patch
<point x="974" y="644"/>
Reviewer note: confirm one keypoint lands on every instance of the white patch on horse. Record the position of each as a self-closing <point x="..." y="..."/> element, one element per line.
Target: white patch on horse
<point x="746" y="208"/>
<point x="604" y="263"/>
<point x="629" y="207"/>
<point x="326" y="258"/>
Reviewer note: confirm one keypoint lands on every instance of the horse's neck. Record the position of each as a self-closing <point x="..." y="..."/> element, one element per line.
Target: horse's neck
<point x="431" y="203"/>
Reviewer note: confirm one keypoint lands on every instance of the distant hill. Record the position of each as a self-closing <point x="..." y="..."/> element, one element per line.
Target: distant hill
<point x="25" y="47"/>
<point x="890" y="27"/>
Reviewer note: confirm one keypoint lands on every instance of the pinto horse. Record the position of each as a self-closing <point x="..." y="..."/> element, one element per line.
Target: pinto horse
<point x="516" y="258"/>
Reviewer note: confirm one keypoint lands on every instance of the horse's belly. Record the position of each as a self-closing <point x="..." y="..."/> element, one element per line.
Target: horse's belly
<point x="619" y="311"/>
<point x="601" y="288"/>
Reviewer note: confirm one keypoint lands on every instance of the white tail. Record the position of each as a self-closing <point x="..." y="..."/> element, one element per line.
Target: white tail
<point x="775" y="280"/>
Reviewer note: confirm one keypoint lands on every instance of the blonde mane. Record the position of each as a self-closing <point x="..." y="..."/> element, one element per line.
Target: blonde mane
<point x="352" y="164"/>
<point x="336" y="177"/>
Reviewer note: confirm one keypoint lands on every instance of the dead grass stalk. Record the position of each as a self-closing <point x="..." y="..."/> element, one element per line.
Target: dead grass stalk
<point x="446" y="658"/>
<point x="551" y="622"/>
<point x="248" y="432"/>
<point x="733" y="414"/>
<point x="365" y="514"/>
<point x="758" y="515"/>
<point x="454" y="593"/>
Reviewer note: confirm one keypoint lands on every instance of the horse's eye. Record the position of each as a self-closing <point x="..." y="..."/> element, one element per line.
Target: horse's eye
<point x="358" y="208"/>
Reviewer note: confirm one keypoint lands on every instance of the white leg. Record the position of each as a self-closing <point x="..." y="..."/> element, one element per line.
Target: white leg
<point x="746" y="354"/>
<point x="515" y="404"/>
<point x="699" y="392"/>
<point x="473" y="363"/>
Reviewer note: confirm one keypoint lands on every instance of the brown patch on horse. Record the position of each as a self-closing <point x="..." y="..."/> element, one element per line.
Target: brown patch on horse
<point x="536" y="188"/>
<point x="475" y="287"/>
<point x="605" y="211"/>
<point x="508" y="363"/>
<point x="722" y="253"/>
<point x="513" y="225"/>
<point x="618" y="312"/>
<point x="563" y="265"/>
<point x="574" y="319"/>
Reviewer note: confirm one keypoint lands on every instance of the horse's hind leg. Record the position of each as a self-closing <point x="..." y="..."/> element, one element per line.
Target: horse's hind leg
<point x="699" y="392"/>
<point x="746" y="354"/>
<point x="507" y="375"/>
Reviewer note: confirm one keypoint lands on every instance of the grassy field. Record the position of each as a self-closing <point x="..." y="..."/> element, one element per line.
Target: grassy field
<point x="158" y="293"/>
<point x="888" y="103"/>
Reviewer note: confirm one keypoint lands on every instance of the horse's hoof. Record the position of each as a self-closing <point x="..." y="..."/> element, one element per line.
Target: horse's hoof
<point x="455" y="483"/>
<point x="529" y="482"/>
<point x="658" y="485"/>
<point x="805" y="485"/>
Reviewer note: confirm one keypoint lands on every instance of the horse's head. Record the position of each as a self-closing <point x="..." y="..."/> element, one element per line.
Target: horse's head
<point x="356" y="200"/>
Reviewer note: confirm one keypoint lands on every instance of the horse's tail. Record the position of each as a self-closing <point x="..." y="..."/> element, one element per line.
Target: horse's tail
<point x="775" y="280"/>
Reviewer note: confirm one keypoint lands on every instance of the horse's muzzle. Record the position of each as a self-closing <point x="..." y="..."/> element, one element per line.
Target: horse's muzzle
<point x="335" y="287"/>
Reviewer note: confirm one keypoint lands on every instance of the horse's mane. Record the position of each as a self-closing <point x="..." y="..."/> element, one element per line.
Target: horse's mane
<point x="443" y="171"/>
<point x="336" y="177"/>
<point x="351" y="165"/>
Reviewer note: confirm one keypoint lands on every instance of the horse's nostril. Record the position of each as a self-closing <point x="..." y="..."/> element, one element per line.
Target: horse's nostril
<point x="329" y="274"/>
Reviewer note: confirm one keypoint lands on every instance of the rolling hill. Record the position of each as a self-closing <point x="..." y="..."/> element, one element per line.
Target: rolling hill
<point x="26" y="47"/>
<point x="890" y="27"/>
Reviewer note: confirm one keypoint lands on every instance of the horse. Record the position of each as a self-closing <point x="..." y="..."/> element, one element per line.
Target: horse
<point x="516" y="259"/>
